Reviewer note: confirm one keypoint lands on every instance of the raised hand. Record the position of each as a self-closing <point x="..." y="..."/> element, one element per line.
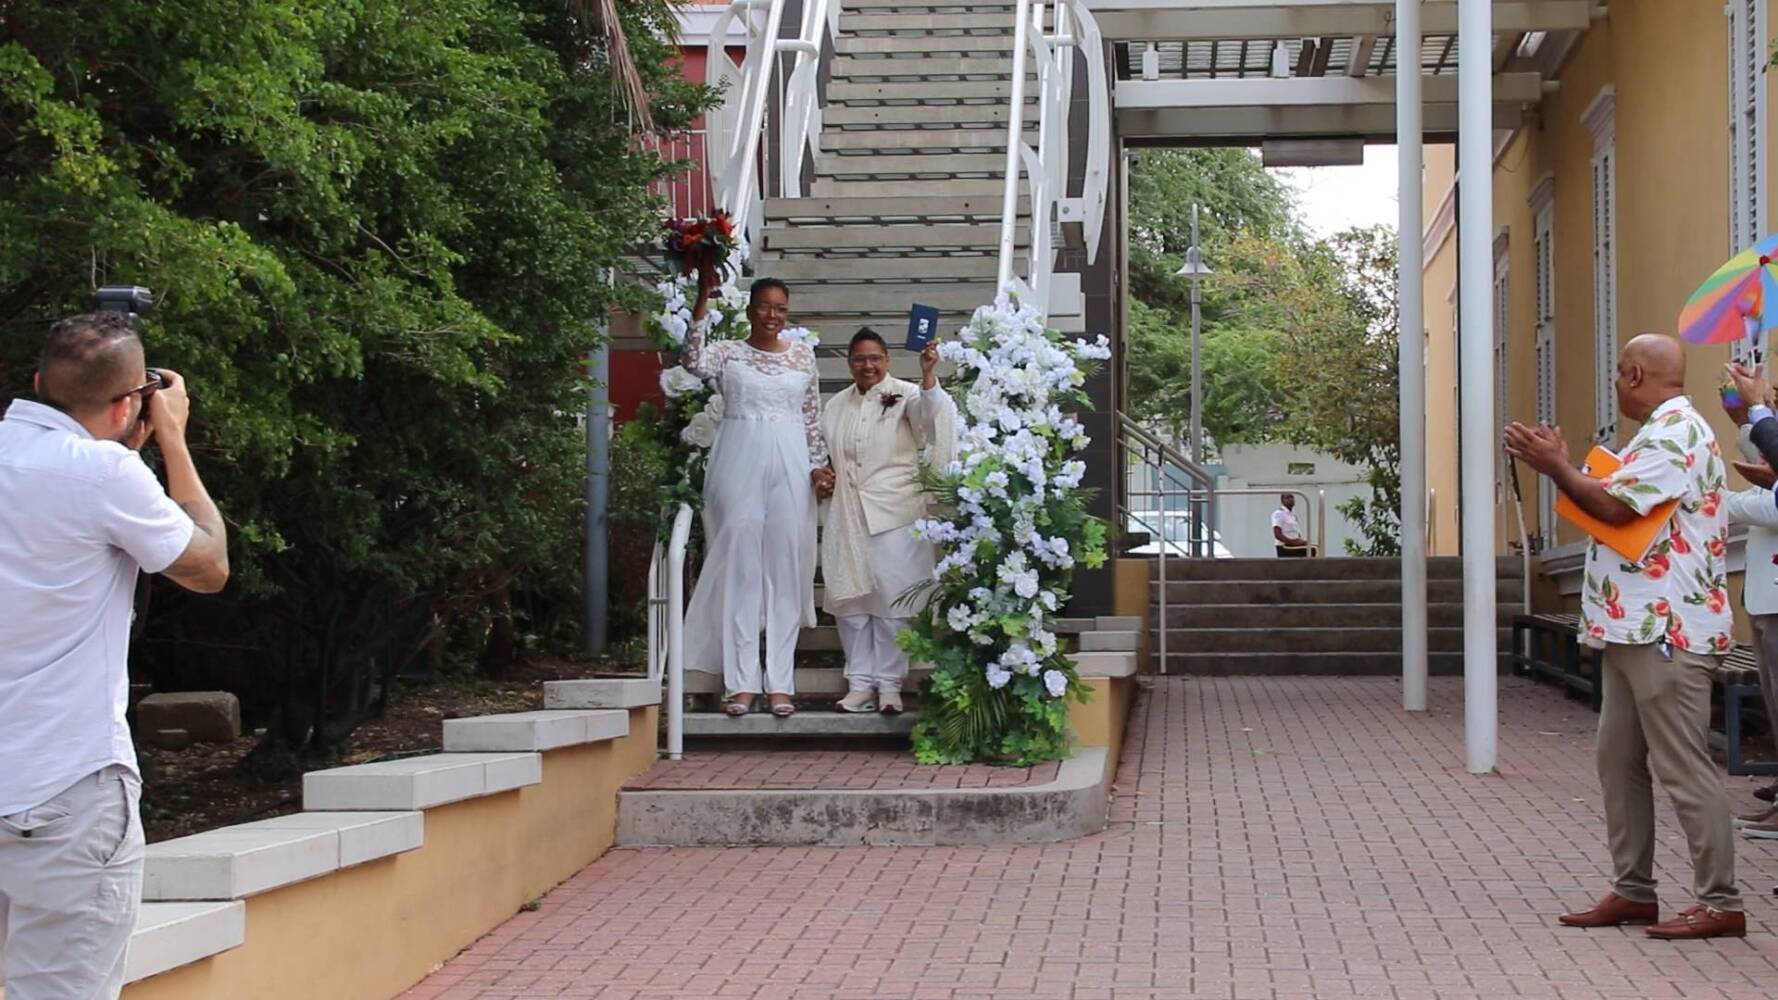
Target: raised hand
<point x="1543" y="448"/>
<point x="929" y="365"/>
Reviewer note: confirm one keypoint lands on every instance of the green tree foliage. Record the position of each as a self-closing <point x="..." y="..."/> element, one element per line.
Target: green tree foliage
<point x="376" y="227"/>
<point x="1298" y="333"/>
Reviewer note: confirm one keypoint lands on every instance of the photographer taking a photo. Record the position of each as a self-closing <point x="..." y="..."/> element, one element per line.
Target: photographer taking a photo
<point x="80" y="513"/>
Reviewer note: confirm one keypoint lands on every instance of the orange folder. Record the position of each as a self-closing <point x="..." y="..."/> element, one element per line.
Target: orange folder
<point x="1631" y="540"/>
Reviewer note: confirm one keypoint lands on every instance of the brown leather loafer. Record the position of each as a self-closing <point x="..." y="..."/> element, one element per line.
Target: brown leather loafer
<point x="1701" y="922"/>
<point x="1613" y="910"/>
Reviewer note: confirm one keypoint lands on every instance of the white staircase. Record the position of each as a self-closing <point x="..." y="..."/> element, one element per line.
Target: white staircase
<point x="888" y="188"/>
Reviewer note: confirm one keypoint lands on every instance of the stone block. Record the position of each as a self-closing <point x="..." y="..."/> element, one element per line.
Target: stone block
<point x="535" y="731"/>
<point x="167" y="739"/>
<point x="169" y="935"/>
<point x="602" y="692"/>
<point x="420" y="782"/>
<point x="234" y="862"/>
<point x="209" y="716"/>
<point x="363" y="836"/>
<point x="1107" y="642"/>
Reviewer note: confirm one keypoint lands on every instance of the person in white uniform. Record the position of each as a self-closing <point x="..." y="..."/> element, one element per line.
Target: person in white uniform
<point x="876" y="430"/>
<point x="1287" y="536"/>
<point x="80" y="514"/>
<point x="759" y="502"/>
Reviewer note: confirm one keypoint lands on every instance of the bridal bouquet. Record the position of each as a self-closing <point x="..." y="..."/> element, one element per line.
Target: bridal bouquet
<point x="689" y="243"/>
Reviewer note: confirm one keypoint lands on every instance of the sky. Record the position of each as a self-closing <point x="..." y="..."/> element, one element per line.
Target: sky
<point x="1336" y="198"/>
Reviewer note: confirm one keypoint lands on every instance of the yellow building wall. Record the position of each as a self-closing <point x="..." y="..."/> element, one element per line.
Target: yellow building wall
<point x="373" y="930"/>
<point x="1441" y="357"/>
<point x="1668" y="63"/>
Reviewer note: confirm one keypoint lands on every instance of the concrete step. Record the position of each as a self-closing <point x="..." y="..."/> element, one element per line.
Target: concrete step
<point x="924" y="67"/>
<point x="805" y="724"/>
<point x="1312" y="640"/>
<point x="1315" y="592"/>
<point x="926" y="141"/>
<point x="923" y="92"/>
<point x="898" y="165"/>
<point x="851" y="45"/>
<point x="904" y="6"/>
<point x="980" y="237"/>
<point x="1261" y="616"/>
<point x="1072" y="804"/>
<point x="1442" y="568"/>
<point x="810" y="681"/>
<point x="991" y="22"/>
<point x="780" y="212"/>
<point x="1206" y="664"/>
<point x="838" y="117"/>
<point x="826" y="187"/>
<point x="874" y="300"/>
<point x="894" y="271"/>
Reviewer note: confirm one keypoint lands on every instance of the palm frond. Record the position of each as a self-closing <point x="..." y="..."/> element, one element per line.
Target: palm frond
<point x="602" y="23"/>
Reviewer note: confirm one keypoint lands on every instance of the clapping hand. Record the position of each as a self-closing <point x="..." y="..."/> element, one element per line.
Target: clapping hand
<point x="1758" y="473"/>
<point x="1542" y="447"/>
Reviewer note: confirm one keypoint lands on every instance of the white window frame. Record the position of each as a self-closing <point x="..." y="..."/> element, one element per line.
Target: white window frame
<point x="1748" y="215"/>
<point x="1600" y="119"/>
<point x="1543" y="270"/>
<point x="1501" y="308"/>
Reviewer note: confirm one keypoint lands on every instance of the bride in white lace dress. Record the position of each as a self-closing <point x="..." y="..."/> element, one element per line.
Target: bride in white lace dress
<point x="759" y="502"/>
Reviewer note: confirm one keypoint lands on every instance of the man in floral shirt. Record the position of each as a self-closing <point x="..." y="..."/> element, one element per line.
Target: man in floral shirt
<point x="1663" y="624"/>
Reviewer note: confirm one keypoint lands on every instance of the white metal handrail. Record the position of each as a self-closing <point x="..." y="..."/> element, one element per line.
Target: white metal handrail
<point x="666" y="625"/>
<point x="736" y="128"/>
<point x="1045" y="167"/>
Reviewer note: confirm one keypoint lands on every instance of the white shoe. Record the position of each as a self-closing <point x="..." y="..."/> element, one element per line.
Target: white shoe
<point x="889" y="702"/>
<point x="859" y="702"/>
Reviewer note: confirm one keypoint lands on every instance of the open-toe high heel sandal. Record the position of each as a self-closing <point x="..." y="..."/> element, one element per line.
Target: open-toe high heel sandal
<point x="738" y="706"/>
<point x="783" y="709"/>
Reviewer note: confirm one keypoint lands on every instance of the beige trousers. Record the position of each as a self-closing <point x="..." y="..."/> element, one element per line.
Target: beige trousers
<point x="70" y="888"/>
<point x="1655" y="718"/>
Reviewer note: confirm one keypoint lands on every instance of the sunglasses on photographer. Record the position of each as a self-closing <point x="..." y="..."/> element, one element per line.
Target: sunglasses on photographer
<point x="153" y="385"/>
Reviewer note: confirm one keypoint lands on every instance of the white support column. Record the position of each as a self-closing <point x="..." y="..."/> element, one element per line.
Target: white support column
<point x="1410" y="324"/>
<point x="1475" y="215"/>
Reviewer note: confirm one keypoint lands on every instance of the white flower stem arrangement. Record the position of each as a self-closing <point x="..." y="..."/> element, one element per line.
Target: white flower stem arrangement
<point x="1018" y="526"/>
<point x="686" y="428"/>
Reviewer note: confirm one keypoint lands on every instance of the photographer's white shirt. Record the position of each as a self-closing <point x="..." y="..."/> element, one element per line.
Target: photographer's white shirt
<point x="78" y="517"/>
<point x="1284" y="518"/>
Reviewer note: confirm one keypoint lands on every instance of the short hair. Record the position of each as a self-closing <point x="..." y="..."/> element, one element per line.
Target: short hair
<point x="86" y="362"/>
<point x="761" y="284"/>
<point x="863" y="335"/>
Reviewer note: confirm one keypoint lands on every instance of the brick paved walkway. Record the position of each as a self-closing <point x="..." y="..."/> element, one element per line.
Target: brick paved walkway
<point x="1271" y="838"/>
<point x="795" y="769"/>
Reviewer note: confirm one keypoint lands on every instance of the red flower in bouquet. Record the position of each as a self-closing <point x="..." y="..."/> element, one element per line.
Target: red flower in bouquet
<point x="691" y="243"/>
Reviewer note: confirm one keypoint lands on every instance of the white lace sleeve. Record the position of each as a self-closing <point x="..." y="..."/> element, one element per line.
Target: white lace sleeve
<point x="818" y="457"/>
<point x="702" y="359"/>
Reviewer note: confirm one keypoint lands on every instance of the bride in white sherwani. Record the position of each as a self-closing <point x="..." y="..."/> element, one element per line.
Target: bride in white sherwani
<point x="759" y="502"/>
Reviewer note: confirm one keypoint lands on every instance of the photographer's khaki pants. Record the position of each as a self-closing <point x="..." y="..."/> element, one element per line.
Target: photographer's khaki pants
<point x="1655" y="718"/>
<point x="70" y="888"/>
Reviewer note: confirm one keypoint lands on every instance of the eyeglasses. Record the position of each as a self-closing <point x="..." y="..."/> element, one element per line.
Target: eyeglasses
<point x="146" y="389"/>
<point x="860" y="360"/>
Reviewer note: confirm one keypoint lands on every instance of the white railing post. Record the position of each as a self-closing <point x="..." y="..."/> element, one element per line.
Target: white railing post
<point x="1015" y="128"/>
<point x="675" y="558"/>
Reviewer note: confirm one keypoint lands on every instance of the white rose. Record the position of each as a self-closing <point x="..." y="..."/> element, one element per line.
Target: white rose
<point x="1056" y="682"/>
<point x="676" y="382"/>
<point x="715" y="406"/>
<point x="700" y="430"/>
<point x="997" y="677"/>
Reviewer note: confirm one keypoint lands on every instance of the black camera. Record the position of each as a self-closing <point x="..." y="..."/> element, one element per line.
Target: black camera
<point x="133" y="301"/>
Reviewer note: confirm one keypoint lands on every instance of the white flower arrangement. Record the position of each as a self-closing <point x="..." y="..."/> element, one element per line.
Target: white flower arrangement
<point x="1016" y="530"/>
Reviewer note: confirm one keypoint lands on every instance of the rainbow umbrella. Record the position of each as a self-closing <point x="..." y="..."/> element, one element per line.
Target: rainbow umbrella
<point x="1731" y="303"/>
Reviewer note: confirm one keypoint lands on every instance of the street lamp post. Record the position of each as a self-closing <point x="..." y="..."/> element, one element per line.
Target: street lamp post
<point x="1194" y="269"/>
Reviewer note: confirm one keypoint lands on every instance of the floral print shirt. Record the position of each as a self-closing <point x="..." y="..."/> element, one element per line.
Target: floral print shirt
<point x="1679" y="592"/>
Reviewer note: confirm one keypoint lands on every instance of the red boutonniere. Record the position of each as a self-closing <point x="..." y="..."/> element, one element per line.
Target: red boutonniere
<point x="889" y="399"/>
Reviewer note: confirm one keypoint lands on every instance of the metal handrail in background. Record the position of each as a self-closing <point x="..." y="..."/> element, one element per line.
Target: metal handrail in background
<point x="666" y="625"/>
<point x="1046" y="166"/>
<point x="736" y="128"/>
<point x="1155" y="454"/>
